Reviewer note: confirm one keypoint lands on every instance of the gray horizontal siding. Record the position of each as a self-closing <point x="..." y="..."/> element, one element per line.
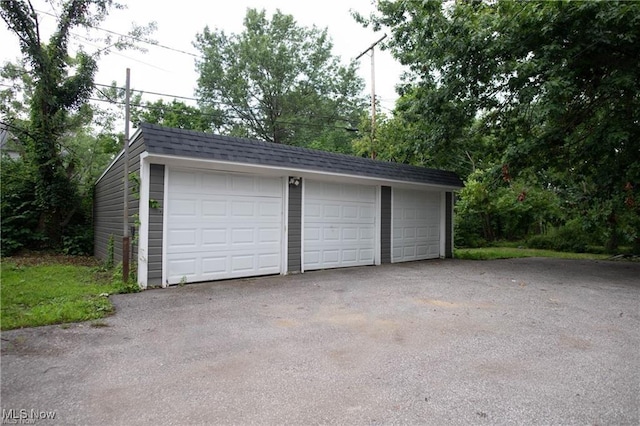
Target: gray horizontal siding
<point x="156" y="193"/>
<point x="294" y="257"/>
<point x="108" y="205"/>
<point x="385" y="224"/>
<point x="448" y="223"/>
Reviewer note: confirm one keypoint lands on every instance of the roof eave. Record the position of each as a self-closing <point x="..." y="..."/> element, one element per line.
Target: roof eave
<point x="231" y="166"/>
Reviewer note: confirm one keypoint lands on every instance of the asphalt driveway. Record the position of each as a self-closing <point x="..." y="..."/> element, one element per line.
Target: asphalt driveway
<point x="529" y="341"/>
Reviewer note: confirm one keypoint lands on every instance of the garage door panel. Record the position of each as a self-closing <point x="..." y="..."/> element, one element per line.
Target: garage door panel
<point x="330" y="234"/>
<point x="423" y="232"/>
<point x="349" y="255"/>
<point x="214" y="183"/>
<point x="409" y="213"/>
<point x="311" y="257"/>
<point x="409" y="251"/>
<point x="350" y="234"/>
<point x="330" y="257"/>
<point x="242" y="262"/>
<point x="269" y="235"/>
<point x="242" y="208"/>
<point x="268" y="261"/>
<point x="242" y="236"/>
<point x="408" y="233"/>
<point x="368" y="212"/>
<point x="183" y="238"/>
<point x="183" y="180"/>
<point x="243" y="184"/>
<point x="183" y="267"/>
<point x="350" y="212"/>
<point x="331" y="211"/>
<point x="186" y="208"/>
<point x="367" y="234"/>
<point x="270" y="209"/>
<point x="214" y="208"/>
<point x="222" y="225"/>
<point x="415" y="225"/>
<point x="271" y="187"/>
<point x="312" y="211"/>
<point x="214" y="237"/>
<point x="214" y="265"/>
<point x="366" y="256"/>
<point x="311" y="234"/>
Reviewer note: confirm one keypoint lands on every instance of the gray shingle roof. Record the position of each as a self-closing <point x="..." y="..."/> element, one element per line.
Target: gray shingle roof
<point x="187" y="143"/>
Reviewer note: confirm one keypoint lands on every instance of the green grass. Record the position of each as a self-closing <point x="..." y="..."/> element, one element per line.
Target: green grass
<point x="489" y="253"/>
<point x="53" y="293"/>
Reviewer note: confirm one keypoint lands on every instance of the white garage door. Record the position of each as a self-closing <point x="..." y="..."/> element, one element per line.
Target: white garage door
<point x="339" y="225"/>
<point x="222" y="225"/>
<point x="416" y="225"/>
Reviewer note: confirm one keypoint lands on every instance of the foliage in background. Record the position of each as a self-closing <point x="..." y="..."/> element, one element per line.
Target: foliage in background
<point x="551" y="90"/>
<point x="18" y="207"/>
<point x="492" y="206"/>
<point x="278" y="81"/>
<point x="176" y="114"/>
<point x="62" y="84"/>
<point x="45" y="108"/>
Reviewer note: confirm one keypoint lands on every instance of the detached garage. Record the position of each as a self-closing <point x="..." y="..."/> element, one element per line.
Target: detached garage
<point x="209" y="207"/>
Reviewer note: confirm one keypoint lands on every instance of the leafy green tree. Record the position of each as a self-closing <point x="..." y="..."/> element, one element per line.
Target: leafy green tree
<point x="278" y="81"/>
<point x="494" y="206"/>
<point x="554" y="84"/>
<point x="60" y="87"/>
<point x="175" y="114"/>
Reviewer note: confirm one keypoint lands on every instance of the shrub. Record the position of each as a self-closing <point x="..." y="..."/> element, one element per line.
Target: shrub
<point x="571" y="237"/>
<point x="78" y="241"/>
<point x="18" y="207"/>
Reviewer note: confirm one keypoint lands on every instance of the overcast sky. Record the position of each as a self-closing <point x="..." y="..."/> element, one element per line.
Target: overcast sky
<point x="165" y="71"/>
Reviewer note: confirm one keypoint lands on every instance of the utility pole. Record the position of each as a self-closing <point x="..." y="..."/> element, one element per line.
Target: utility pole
<point x="126" y="240"/>
<point x="373" y="92"/>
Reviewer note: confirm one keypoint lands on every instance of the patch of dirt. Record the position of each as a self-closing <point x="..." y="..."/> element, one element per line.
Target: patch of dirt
<point x="48" y="258"/>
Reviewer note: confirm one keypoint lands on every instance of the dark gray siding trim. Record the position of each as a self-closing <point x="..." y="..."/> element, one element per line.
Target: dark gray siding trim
<point x="448" y="242"/>
<point x="108" y="205"/>
<point x="156" y="197"/>
<point x="385" y="224"/>
<point x="294" y="257"/>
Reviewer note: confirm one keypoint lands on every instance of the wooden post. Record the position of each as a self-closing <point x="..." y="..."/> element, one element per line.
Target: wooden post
<point x="126" y="241"/>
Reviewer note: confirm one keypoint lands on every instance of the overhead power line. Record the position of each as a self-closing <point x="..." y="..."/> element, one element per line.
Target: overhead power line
<point x="108" y="99"/>
<point x="237" y="117"/>
<point x="149" y="92"/>
<point x="138" y="39"/>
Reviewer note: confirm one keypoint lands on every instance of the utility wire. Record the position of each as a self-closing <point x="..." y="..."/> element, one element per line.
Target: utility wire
<point x="148" y="92"/>
<point x="89" y="42"/>
<point x="168" y="95"/>
<point x="209" y="115"/>
<point x="140" y="40"/>
<point x="198" y="100"/>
